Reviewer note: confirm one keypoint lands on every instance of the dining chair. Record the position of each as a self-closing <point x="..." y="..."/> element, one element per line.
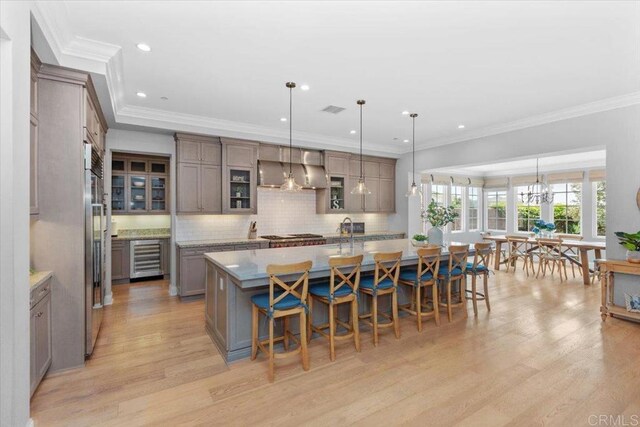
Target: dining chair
<point x="282" y="301"/>
<point x="454" y="272"/>
<point x="383" y="282"/>
<point x="480" y="267"/>
<point x="342" y="288"/>
<point x="419" y="279"/>
<point x="571" y="252"/>
<point x="519" y="248"/>
<point x="551" y="253"/>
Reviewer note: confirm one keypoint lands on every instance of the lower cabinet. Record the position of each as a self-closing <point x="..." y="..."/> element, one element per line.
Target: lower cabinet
<point x="192" y="266"/>
<point x="40" y="328"/>
<point x="120" y="263"/>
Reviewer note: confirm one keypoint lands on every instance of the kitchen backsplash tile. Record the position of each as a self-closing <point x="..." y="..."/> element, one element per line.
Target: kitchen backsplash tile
<point x="278" y="213"/>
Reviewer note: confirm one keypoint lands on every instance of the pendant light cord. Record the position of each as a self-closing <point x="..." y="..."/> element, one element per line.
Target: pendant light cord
<point x="290" y="126"/>
<point x="413" y="176"/>
<point x="361" y="175"/>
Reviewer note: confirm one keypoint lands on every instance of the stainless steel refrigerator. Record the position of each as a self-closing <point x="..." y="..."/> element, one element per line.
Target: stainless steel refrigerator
<point x="95" y="234"/>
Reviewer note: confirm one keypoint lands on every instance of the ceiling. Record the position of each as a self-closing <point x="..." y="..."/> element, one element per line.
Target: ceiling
<point x="492" y="66"/>
<point x="551" y="163"/>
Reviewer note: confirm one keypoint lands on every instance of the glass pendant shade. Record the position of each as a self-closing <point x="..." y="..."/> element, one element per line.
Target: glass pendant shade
<point x="360" y="188"/>
<point x="290" y="184"/>
<point x="414" y="190"/>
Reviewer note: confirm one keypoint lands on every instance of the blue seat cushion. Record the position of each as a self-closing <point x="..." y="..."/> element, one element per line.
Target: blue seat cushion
<point x="322" y="290"/>
<point x="411" y="275"/>
<point x="479" y="269"/>
<point x="290" y="301"/>
<point x="444" y="271"/>
<point x="367" y="283"/>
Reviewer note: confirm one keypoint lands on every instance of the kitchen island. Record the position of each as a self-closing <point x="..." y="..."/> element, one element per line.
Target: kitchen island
<point x="232" y="278"/>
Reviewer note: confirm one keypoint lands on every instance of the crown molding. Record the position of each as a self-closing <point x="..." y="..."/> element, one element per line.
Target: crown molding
<point x="606" y="104"/>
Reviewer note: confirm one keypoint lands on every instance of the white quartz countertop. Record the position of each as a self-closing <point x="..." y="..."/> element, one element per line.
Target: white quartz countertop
<point x="250" y="265"/>
<point x="38" y="277"/>
<point x="366" y="234"/>
<point x="215" y="242"/>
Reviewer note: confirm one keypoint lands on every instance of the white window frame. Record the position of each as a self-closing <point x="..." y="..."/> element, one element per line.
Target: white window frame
<point x="516" y="198"/>
<point x="551" y="213"/>
<point x="479" y="222"/>
<point x="486" y="206"/>
<point x="463" y="208"/>
<point x="594" y="209"/>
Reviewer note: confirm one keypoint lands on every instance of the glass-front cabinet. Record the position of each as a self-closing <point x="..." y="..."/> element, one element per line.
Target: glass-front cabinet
<point x="139" y="184"/>
<point x="137" y="193"/>
<point x="240" y="197"/>
<point x="337" y="193"/>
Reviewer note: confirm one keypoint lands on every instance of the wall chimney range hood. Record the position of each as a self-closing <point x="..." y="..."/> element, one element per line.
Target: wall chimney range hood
<point x="271" y="174"/>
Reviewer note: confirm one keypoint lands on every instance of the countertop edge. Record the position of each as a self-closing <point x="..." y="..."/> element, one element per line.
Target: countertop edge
<point x="38" y="278"/>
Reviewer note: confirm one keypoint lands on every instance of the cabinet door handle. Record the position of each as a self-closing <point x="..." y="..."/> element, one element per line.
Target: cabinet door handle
<point x="39" y="314"/>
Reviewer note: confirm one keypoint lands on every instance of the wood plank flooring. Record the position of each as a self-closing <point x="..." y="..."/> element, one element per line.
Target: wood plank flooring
<point x="541" y="356"/>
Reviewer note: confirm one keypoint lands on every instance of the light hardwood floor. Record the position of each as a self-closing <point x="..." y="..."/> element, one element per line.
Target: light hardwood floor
<point x="542" y="356"/>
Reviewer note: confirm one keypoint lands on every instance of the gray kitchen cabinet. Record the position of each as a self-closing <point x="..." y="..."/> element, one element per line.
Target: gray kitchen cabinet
<point x="337" y="163"/>
<point x="239" y="183"/>
<point x="139" y="184"/>
<point x="197" y="149"/>
<point x="120" y="261"/>
<point x="372" y="201"/>
<point x="355" y="202"/>
<point x="211" y="189"/>
<point x="40" y="333"/>
<point x="388" y="170"/>
<point x="371" y="169"/>
<point x="188" y="151"/>
<point x="387" y="195"/>
<point x="236" y="152"/>
<point x="199" y="188"/>
<point x="221" y="324"/>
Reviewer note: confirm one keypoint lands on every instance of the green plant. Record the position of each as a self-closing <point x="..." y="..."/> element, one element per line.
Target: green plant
<point x="630" y="241"/>
<point x="439" y="216"/>
<point x="420" y="238"/>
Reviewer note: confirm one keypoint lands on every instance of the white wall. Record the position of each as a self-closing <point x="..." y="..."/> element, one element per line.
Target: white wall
<point x="141" y="143"/>
<point x="14" y="212"/>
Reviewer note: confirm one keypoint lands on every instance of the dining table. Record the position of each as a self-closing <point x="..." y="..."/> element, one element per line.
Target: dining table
<point x="582" y="247"/>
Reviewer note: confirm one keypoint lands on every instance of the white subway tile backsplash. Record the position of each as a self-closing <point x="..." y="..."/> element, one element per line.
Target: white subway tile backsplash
<point x="278" y="213"/>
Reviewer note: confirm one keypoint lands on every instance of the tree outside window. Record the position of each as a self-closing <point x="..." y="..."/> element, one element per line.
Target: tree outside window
<point x="567" y="201"/>
<point x="527" y="212"/>
<point x="473" y="208"/>
<point x="601" y="207"/>
<point x="439" y="194"/>
<point x="456" y="203"/>
<point x="497" y="210"/>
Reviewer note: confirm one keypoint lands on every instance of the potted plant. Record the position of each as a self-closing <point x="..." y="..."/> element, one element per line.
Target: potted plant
<point x="631" y="242"/>
<point x="438" y="216"/>
<point x="420" y="240"/>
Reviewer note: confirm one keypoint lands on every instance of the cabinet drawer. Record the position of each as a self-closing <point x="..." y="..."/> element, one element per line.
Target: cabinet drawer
<point x="225" y="248"/>
<point x="247" y="246"/>
<point x="39" y="292"/>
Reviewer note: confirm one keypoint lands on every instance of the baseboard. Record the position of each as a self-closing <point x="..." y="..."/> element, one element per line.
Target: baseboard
<point x="173" y="290"/>
<point x="30" y="423"/>
<point x="108" y="299"/>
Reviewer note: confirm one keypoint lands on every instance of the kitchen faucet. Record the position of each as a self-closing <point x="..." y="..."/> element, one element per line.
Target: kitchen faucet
<point x="350" y="228"/>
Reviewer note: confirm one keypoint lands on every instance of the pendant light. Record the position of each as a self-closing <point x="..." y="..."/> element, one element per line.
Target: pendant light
<point x="360" y="188"/>
<point x="537" y="193"/>
<point x="290" y="183"/>
<point x="414" y="190"/>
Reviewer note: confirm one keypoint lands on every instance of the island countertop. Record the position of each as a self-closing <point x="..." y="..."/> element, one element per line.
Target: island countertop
<point x="249" y="267"/>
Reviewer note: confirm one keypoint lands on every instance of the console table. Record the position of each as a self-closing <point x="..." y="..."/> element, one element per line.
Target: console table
<point x="608" y="269"/>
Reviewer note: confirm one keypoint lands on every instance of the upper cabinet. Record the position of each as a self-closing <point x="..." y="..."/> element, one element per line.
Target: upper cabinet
<point x="199" y="180"/>
<point x="139" y="184"/>
<point x="239" y="182"/>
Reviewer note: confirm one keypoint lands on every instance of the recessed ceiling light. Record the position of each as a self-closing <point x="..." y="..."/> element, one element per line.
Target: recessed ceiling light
<point x="164" y="98"/>
<point x="352" y="132"/>
<point x="283" y="119"/>
<point x="144" y="47"/>
<point x="141" y="94"/>
<point x="460" y="126"/>
<point x="405" y="112"/>
<point x="395" y="139"/>
<point x="304" y="87"/>
<point x="405" y="140"/>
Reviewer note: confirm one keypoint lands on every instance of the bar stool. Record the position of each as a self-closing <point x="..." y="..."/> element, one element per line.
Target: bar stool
<point x="384" y="282"/>
<point x="480" y="267"/>
<point x="519" y="249"/>
<point x="425" y="276"/>
<point x="342" y="288"/>
<point x="281" y="301"/>
<point x="455" y="271"/>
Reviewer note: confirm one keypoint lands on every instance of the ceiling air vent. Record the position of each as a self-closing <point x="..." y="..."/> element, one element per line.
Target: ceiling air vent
<point x="333" y="109"/>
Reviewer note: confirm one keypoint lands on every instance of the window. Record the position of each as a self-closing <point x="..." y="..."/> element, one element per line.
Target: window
<point x="600" y="199"/>
<point x="526" y="213"/>
<point x="473" y="208"/>
<point x="439" y="194"/>
<point x="497" y="210"/>
<point x="567" y="198"/>
<point x="456" y="203"/>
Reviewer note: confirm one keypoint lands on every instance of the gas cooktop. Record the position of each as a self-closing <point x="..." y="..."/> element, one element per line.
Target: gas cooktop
<point x="292" y="236"/>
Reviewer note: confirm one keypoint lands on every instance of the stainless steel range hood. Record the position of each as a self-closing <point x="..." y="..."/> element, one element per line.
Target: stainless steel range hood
<point x="272" y="174"/>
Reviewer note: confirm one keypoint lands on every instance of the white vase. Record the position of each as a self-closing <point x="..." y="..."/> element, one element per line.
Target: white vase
<point x="435" y="235"/>
<point x="633" y="256"/>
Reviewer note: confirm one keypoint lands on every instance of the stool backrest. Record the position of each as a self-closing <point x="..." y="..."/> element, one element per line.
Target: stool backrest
<point x="481" y="257"/>
<point x="569" y="249"/>
<point x="298" y="289"/>
<point x="428" y="262"/>
<point x="518" y="244"/>
<point x="550" y="246"/>
<point x="458" y="255"/>
<point x="351" y="280"/>
<point x="387" y="267"/>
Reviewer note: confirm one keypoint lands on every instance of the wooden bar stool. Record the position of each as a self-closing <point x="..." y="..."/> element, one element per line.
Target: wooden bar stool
<point x="281" y="301"/>
<point x="342" y="288"/>
<point x="519" y="248"/>
<point x="551" y="254"/>
<point x="384" y="282"/>
<point x="480" y="267"/>
<point x="455" y="271"/>
<point x="425" y="276"/>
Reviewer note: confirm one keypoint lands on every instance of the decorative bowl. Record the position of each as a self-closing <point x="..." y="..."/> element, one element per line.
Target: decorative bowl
<point x="138" y="184"/>
<point x="419" y="243"/>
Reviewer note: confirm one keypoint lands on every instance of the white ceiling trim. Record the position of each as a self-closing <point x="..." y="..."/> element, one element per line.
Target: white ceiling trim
<point x="106" y="59"/>
<point x="554" y="116"/>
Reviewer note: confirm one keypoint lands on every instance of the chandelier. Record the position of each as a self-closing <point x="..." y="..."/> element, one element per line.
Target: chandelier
<point x="537" y="193"/>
